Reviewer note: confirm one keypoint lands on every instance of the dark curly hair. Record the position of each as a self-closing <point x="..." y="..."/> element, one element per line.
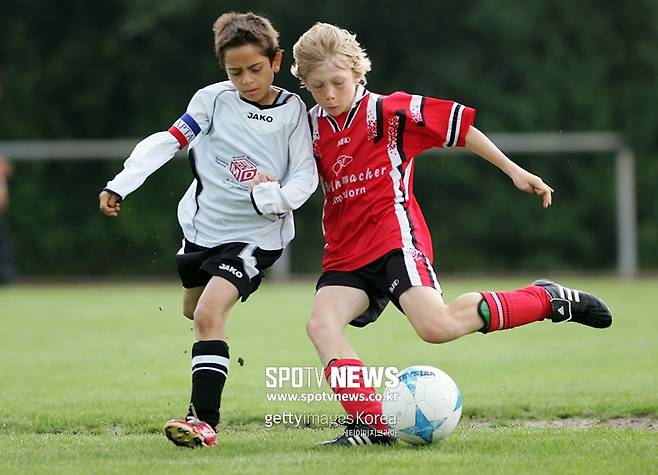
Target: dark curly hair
<point x="236" y="29"/>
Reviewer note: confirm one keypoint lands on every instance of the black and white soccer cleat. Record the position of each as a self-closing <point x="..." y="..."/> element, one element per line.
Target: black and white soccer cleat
<point x="572" y="305"/>
<point x="360" y="434"/>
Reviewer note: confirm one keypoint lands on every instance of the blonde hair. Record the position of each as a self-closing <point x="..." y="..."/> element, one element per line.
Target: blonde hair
<point x="237" y="29"/>
<point x="325" y="42"/>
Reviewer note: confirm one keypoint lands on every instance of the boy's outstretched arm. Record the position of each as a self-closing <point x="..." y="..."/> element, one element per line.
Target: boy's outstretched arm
<point x="480" y="144"/>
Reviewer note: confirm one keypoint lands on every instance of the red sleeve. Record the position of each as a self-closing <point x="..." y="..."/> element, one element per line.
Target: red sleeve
<point x="431" y="122"/>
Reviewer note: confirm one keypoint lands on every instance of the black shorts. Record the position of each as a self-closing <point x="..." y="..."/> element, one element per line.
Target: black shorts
<point x="384" y="280"/>
<point x="239" y="263"/>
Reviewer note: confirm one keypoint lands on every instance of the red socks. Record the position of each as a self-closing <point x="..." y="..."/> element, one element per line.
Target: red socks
<point x="359" y="402"/>
<point x="515" y="308"/>
<point x="505" y="310"/>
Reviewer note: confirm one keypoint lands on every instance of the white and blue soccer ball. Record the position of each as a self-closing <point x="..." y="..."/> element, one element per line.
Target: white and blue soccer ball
<point x="424" y="407"/>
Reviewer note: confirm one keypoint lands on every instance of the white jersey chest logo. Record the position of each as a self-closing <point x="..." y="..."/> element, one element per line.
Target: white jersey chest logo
<point x="260" y="117"/>
<point x="242" y="168"/>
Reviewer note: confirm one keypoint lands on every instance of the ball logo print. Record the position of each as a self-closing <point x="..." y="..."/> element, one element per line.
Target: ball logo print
<point x="427" y="405"/>
<point x="242" y="168"/>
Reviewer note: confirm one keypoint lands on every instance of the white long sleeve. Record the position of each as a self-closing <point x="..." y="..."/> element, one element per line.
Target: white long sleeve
<point x="149" y="155"/>
<point x="300" y="181"/>
<point x="230" y="140"/>
<point x="157" y="149"/>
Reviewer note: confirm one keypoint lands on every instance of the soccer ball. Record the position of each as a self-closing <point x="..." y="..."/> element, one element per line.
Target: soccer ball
<point x="424" y="407"/>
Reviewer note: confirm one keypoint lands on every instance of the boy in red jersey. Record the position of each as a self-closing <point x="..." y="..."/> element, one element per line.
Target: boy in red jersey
<point x="378" y="247"/>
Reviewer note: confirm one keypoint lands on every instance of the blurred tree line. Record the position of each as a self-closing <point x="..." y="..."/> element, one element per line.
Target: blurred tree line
<point x="127" y="68"/>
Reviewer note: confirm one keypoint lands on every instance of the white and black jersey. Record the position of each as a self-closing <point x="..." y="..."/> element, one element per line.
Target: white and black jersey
<point x="230" y="141"/>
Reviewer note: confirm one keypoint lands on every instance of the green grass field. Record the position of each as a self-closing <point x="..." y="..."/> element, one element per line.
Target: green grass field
<point x="91" y="372"/>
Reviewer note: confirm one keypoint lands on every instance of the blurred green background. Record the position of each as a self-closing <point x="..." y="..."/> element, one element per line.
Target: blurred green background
<point x="116" y="69"/>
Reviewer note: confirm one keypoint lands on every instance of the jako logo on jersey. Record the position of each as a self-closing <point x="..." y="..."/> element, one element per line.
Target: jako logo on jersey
<point x="231" y="269"/>
<point x="341" y="162"/>
<point x="263" y="117"/>
<point x="242" y="168"/>
<point x="343" y="141"/>
<point x="394" y="284"/>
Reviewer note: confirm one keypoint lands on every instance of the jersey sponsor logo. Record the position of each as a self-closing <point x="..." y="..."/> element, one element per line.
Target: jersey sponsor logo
<point x="341" y="162"/>
<point x="351" y="185"/>
<point x="263" y="117"/>
<point x="221" y="163"/>
<point x="343" y="141"/>
<point x="185" y="129"/>
<point x="231" y="183"/>
<point x="354" y="178"/>
<point x="347" y="194"/>
<point x="231" y="270"/>
<point x="242" y="168"/>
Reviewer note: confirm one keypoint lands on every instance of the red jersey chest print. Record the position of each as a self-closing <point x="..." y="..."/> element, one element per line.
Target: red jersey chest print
<point x="365" y="159"/>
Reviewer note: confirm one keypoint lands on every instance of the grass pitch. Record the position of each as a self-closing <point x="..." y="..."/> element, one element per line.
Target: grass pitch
<point x="90" y="373"/>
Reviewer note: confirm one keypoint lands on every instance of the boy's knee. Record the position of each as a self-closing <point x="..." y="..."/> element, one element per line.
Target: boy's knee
<point x="437" y="329"/>
<point x="313" y="327"/>
<point x="317" y="327"/>
<point x="188" y="312"/>
<point x="205" y="319"/>
<point x="430" y="334"/>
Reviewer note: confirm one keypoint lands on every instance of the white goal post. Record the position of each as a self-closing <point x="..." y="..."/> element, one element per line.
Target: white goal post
<point x="510" y="143"/>
<point x="592" y="142"/>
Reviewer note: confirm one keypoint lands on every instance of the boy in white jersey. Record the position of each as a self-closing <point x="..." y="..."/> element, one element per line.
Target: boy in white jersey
<point x="251" y="157"/>
<point x="378" y="247"/>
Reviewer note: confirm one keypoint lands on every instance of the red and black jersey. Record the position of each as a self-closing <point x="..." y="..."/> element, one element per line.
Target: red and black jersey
<point x="366" y="160"/>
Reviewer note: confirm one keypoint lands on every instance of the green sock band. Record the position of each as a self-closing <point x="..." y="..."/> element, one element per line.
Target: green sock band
<point x="485" y="315"/>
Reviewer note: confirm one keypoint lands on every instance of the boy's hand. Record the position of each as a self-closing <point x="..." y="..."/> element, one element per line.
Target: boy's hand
<point x="109" y="203"/>
<point x="530" y="183"/>
<point x="261" y="178"/>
